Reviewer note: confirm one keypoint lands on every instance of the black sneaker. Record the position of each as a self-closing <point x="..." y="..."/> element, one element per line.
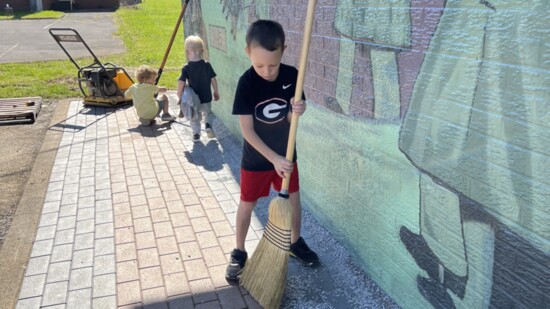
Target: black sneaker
<point x="303" y="253"/>
<point x="235" y="267"/>
<point x="196" y="138"/>
<point x="209" y="132"/>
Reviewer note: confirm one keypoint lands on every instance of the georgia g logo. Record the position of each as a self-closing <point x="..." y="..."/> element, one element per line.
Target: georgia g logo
<point x="271" y="111"/>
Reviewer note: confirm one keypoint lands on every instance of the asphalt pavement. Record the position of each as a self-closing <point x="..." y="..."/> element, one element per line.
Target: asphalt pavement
<point x="30" y="40"/>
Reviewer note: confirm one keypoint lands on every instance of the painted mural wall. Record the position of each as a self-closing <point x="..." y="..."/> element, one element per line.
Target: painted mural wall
<point x="423" y="148"/>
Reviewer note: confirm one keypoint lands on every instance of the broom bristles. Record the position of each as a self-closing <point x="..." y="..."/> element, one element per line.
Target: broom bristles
<point x="264" y="275"/>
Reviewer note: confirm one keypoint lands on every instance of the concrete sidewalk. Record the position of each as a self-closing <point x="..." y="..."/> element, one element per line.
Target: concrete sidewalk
<point x="143" y="217"/>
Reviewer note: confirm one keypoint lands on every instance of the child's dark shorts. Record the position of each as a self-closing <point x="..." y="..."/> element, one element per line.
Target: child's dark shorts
<point x="257" y="184"/>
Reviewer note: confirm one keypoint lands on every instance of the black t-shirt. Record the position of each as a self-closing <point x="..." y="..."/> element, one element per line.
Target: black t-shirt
<point x="269" y="104"/>
<point x="199" y="74"/>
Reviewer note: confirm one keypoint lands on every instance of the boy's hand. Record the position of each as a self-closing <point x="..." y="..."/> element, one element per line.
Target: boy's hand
<point x="216" y="96"/>
<point x="282" y="166"/>
<point x="298" y="107"/>
<point x="162" y="89"/>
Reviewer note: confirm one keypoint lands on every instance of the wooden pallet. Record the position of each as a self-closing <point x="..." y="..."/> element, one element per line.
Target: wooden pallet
<point x="20" y="109"/>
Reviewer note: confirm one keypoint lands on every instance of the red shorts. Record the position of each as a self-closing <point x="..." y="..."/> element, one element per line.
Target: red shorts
<point x="257" y="184"/>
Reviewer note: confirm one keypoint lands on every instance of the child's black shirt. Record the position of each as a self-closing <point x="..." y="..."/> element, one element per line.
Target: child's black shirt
<point x="269" y="103"/>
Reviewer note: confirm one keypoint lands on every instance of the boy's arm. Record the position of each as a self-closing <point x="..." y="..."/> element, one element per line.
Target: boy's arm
<point x="279" y="162"/>
<point x="215" y="87"/>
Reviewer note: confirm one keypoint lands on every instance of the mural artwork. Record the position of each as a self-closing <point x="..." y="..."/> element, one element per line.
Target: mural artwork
<point x="433" y="116"/>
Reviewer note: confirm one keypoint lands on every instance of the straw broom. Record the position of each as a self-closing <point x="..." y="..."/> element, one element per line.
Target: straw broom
<point x="264" y="275"/>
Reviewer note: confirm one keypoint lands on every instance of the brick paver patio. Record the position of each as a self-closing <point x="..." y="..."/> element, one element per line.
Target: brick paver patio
<point x="135" y="216"/>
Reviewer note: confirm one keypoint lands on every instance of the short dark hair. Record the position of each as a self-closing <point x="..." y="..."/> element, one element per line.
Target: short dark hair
<point x="269" y="34"/>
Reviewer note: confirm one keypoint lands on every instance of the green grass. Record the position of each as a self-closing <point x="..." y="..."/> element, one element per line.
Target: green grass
<point x="33" y="15"/>
<point x="145" y="30"/>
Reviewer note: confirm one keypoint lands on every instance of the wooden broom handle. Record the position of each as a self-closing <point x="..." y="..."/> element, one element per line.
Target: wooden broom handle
<point x="299" y="87"/>
<point x="178" y="23"/>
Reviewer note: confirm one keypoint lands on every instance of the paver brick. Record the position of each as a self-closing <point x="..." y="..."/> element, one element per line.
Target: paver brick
<point x="176" y="284"/>
<point x="84" y="241"/>
<point x="143" y="225"/>
<point x="122" y="208"/>
<point x="160" y="215"/>
<point x="80" y="278"/>
<point x="230" y="298"/>
<point x="127" y="271"/>
<point x="171" y="263"/>
<point x="195" y="269"/>
<point x="201" y="224"/>
<point x="145" y="240"/>
<point x="85" y="226"/>
<point x="154" y="297"/>
<point x="207" y="239"/>
<point x="104" y="285"/>
<point x="55" y="293"/>
<point x="215" y="214"/>
<point x="104" y="302"/>
<point x="195" y="211"/>
<point x="59" y="272"/>
<point x="148" y="258"/>
<point x="32" y="286"/>
<point x="124" y="235"/>
<point x="214" y="256"/>
<point x="64" y="223"/>
<point x="203" y="291"/>
<point x="190" y="199"/>
<point x="68" y="210"/>
<point x="151" y="277"/>
<point x="128" y="293"/>
<point x="167" y="245"/>
<point x="125" y="252"/>
<point x="105" y="230"/>
<point x="163" y="229"/>
<point x="104" y="264"/>
<point x="42" y="247"/>
<point x="137" y="200"/>
<point x="29" y="303"/>
<point x="79" y="298"/>
<point x="62" y="253"/>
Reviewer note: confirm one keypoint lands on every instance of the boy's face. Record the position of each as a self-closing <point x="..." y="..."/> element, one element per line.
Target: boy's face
<point x="265" y="63"/>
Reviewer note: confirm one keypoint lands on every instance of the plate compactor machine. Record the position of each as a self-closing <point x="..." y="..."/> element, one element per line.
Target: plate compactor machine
<point x="101" y="84"/>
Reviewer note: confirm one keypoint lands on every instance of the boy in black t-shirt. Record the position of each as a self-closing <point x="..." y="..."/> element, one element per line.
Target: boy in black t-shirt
<point x="264" y="102"/>
<point x="199" y="75"/>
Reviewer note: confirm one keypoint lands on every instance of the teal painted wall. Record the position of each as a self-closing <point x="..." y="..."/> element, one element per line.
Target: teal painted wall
<point x="423" y="148"/>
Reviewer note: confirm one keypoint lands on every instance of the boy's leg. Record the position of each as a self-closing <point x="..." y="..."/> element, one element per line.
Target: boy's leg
<point x="208" y="116"/>
<point x="164" y="105"/>
<point x="253" y="186"/>
<point x="296" y="216"/>
<point x="298" y="247"/>
<point x="244" y="215"/>
<point x="195" y="124"/>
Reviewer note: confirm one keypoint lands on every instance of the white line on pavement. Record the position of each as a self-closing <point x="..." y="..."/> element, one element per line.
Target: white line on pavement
<point x="48" y="26"/>
<point x="7" y="51"/>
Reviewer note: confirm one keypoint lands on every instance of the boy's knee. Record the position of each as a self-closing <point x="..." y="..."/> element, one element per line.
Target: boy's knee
<point x="248" y="206"/>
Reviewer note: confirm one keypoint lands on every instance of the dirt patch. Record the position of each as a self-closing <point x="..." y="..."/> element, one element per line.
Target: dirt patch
<point x="20" y="146"/>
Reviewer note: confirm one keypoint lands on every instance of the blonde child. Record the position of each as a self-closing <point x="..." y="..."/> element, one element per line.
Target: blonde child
<point x="143" y="94"/>
<point x="199" y="75"/>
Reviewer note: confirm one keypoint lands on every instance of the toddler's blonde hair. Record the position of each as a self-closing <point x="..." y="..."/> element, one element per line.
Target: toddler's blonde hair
<point x="145" y="72"/>
<point x="194" y="43"/>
